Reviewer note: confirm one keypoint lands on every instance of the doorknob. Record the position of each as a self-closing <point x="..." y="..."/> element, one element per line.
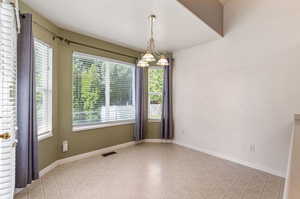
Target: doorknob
<point x="5" y="136"/>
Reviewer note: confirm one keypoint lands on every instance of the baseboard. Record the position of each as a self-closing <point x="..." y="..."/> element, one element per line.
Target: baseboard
<point x="157" y="141"/>
<point x="232" y="159"/>
<point x="83" y="156"/>
<point x="18" y="190"/>
<point x="95" y="153"/>
<point x="49" y="168"/>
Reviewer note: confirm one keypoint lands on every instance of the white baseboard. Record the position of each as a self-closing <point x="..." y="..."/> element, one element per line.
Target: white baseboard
<point x="95" y="153"/>
<point x="157" y="141"/>
<point x="83" y="156"/>
<point x="18" y="190"/>
<point x="232" y="159"/>
<point x="49" y="168"/>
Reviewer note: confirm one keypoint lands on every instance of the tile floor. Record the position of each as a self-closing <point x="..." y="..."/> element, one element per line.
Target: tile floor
<point x="155" y="171"/>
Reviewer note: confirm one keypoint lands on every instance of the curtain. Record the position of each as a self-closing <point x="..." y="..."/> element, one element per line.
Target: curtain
<point x="26" y="151"/>
<point x="140" y="107"/>
<point x="167" y="128"/>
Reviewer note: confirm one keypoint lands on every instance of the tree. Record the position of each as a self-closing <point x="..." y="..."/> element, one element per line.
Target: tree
<point x="120" y="84"/>
<point x="88" y="87"/>
<point x="155" y="85"/>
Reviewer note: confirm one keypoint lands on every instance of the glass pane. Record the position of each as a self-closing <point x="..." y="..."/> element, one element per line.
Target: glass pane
<point x="43" y="65"/>
<point x="103" y="91"/>
<point x="88" y="90"/>
<point x="155" y="86"/>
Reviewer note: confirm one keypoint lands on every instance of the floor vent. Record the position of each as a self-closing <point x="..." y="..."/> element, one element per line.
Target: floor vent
<point x="109" y="153"/>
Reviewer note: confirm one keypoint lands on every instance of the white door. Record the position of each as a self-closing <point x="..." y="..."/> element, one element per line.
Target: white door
<point x="8" y="99"/>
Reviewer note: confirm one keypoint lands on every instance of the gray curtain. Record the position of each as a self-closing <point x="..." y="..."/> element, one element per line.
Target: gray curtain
<point x="26" y="151"/>
<point x="167" y="128"/>
<point x="140" y="110"/>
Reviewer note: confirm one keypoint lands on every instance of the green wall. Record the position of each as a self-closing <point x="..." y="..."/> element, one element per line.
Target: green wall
<point x="89" y="140"/>
<point x="50" y="149"/>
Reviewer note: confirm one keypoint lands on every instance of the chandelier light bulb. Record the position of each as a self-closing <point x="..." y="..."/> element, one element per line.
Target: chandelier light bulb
<point x="148" y="57"/>
<point x="163" y="61"/>
<point x="142" y="63"/>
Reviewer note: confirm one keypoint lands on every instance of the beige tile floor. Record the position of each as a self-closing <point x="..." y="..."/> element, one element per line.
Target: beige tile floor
<point x="155" y="171"/>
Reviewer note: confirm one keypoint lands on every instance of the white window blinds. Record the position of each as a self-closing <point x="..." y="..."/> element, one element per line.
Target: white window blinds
<point x="8" y="98"/>
<point x="43" y="77"/>
<point x="155" y="89"/>
<point x="103" y="90"/>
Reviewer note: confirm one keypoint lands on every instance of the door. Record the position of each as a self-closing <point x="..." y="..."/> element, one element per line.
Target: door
<point x="8" y="99"/>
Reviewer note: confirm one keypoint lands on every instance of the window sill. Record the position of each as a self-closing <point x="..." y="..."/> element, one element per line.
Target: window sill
<point x="154" y="120"/>
<point x="98" y="126"/>
<point x="45" y="135"/>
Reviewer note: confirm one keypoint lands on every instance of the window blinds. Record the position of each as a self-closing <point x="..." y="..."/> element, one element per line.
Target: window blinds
<point x="43" y="79"/>
<point x="103" y="90"/>
<point x="8" y="115"/>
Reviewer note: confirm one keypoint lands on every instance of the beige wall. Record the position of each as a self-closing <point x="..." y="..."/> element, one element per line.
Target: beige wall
<point x="84" y="141"/>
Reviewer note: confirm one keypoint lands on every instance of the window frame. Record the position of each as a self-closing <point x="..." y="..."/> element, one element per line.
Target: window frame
<point x="152" y="120"/>
<point x="47" y="133"/>
<point x="85" y="127"/>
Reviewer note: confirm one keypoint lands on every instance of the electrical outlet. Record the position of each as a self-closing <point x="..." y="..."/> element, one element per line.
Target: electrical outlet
<point x="252" y="148"/>
<point x="65" y="146"/>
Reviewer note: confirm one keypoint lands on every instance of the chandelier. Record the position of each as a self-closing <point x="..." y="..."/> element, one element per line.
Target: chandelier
<point x="151" y="55"/>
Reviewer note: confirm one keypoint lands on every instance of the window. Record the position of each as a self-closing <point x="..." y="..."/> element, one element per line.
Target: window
<point x="103" y="91"/>
<point x="155" y="89"/>
<point x="43" y="77"/>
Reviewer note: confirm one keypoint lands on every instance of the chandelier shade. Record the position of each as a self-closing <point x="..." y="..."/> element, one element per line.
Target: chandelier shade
<point x="148" y="57"/>
<point x="142" y="63"/>
<point x="163" y="61"/>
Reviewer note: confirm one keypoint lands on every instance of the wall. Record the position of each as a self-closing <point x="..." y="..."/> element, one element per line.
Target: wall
<point x="89" y="140"/>
<point x="242" y="89"/>
<point x="209" y="11"/>
<point x="292" y="185"/>
<point x="50" y="149"/>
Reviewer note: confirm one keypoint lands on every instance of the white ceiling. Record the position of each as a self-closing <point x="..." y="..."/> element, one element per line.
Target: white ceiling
<point x="125" y="22"/>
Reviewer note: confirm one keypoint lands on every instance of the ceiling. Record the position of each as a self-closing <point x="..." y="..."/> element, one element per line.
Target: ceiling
<point x="125" y="22"/>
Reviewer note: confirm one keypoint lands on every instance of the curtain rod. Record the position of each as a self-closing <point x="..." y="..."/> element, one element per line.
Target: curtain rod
<point x="56" y="36"/>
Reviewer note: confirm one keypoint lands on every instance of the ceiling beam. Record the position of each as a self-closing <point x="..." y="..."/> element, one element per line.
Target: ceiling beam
<point x="209" y="11"/>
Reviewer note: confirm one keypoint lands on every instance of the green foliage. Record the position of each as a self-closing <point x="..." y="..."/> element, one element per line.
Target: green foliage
<point x="155" y="82"/>
<point x="121" y="84"/>
<point x="90" y="82"/>
<point x="88" y="89"/>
